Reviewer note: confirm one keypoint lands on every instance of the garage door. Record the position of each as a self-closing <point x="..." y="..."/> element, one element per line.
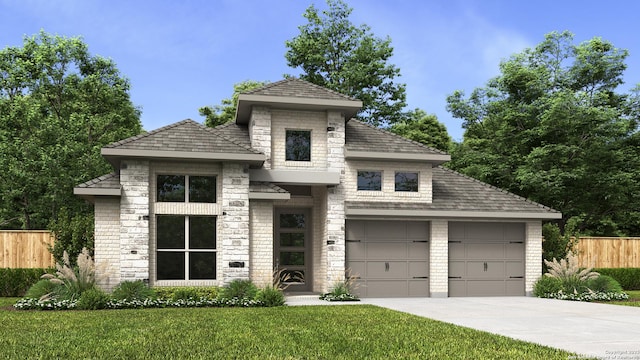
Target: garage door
<point x="391" y="258"/>
<point x="486" y="259"/>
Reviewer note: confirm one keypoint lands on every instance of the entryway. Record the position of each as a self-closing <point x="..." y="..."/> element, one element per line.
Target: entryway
<point x="292" y="247"/>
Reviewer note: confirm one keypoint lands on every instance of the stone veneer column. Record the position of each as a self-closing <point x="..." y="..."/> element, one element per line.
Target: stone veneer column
<point x="134" y="220"/>
<point x="233" y="238"/>
<point x="335" y="217"/>
<point x="533" y="255"/>
<point x="260" y="132"/>
<point x="439" y="259"/>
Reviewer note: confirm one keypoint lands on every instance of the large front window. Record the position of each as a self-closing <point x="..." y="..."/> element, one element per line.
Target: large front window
<point x="189" y="188"/>
<point x="298" y="145"/>
<point x="186" y="247"/>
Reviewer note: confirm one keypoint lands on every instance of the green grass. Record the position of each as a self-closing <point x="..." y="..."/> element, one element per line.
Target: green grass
<point x="634" y="299"/>
<point x="327" y="332"/>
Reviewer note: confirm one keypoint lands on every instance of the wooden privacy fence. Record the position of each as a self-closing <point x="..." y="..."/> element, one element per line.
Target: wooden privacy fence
<point x="609" y="252"/>
<point x="26" y="249"/>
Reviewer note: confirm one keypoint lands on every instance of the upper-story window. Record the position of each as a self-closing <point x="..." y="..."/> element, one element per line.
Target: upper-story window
<point x="370" y="180"/>
<point x="298" y="145"/>
<point x="407" y="181"/>
<point x="186" y="188"/>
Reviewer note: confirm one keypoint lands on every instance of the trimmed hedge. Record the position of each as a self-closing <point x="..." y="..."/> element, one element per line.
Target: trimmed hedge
<point x="629" y="278"/>
<point x="16" y="282"/>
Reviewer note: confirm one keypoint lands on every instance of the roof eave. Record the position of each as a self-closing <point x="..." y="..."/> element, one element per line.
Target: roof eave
<point x="114" y="155"/>
<point x="435" y="159"/>
<point x="452" y="214"/>
<point x="349" y="108"/>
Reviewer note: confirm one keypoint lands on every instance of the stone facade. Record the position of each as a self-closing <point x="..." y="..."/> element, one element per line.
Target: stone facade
<point x="261" y="242"/>
<point x="134" y="220"/>
<point x="234" y="234"/>
<point x="335" y="214"/>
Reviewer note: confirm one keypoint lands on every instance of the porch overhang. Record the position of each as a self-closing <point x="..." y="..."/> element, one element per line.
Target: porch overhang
<point x="295" y="177"/>
<point x="435" y="159"/>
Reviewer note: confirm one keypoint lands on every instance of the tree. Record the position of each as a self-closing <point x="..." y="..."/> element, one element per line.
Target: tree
<point x="58" y="106"/>
<point x="552" y="128"/>
<point x="334" y="53"/>
<point x="226" y="111"/>
<point x="423" y="128"/>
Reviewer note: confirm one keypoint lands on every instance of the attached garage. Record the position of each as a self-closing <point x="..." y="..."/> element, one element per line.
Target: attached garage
<point x="486" y="259"/>
<point x="390" y="258"/>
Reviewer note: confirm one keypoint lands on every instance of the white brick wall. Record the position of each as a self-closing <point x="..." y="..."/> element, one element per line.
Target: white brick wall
<point x="315" y="121"/>
<point x="439" y="259"/>
<point x="134" y="228"/>
<point x="261" y="242"/>
<point x="107" y="241"/>
<point x="533" y="255"/>
<point x="388" y="193"/>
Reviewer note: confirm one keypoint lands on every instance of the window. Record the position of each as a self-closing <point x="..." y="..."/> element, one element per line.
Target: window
<point x="298" y="145"/>
<point x="407" y="181"/>
<point x="186" y="247"/>
<point x="370" y="180"/>
<point x="173" y="188"/>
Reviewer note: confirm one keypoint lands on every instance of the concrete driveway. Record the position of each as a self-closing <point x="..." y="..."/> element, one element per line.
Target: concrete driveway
<point x="604" y="331"/>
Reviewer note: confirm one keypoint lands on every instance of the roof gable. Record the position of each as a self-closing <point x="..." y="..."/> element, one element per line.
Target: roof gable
<point x="294" y="87"/>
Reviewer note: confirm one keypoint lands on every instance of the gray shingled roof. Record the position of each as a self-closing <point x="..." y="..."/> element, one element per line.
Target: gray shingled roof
<point x="108" y="181"/>
<point x="362" y="137"/>
<point x="453" y="191"/>
<point x="294" y="87"/>
<point x="187" y="136"/>
<point x="236" y="132"/>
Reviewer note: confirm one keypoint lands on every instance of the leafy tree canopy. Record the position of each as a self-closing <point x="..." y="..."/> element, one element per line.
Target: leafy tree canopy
<point x="552" y="128"/>
<point x="58" y="106"/>
<point x="423" y="128"/>
<point x="334" y="53"/>
<point x="226" y="111"/>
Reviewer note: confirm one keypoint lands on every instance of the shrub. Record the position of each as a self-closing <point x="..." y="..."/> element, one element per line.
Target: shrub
<point x="16" y="282"/>
<point x="546" y="285"/>
<point x="132" y="290"/>
<point x="93" y="299"/>
<point x="185" y="294"/>
<point x="568" y="269"/>
<point x="557" y="245"/>
<point x="43" y="288"/>
<point x="270" y="296"/>
<point x="604" y="283"/>
<point x="341" y="291"/>
<point x="628" y="278"/>
<point x="74" y="280"/>
<point x="168" y="292"/>
<point x="240" y="289"/>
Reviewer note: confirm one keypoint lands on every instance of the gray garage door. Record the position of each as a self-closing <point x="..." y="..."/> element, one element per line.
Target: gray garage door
<point x="486" y="259"/>
<point x="391" y="258"/>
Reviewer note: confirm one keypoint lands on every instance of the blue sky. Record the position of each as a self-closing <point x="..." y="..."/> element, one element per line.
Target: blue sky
<point x="181" y="55"/>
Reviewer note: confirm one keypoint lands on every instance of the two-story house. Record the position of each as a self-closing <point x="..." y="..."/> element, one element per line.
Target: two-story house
<point x="296" y="184"/>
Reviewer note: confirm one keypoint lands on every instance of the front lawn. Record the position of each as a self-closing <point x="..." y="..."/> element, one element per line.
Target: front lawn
<point x="327" y="332"/>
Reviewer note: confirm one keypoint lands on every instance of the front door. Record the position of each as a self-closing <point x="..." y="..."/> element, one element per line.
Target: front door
<point x="292" y="247"/>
